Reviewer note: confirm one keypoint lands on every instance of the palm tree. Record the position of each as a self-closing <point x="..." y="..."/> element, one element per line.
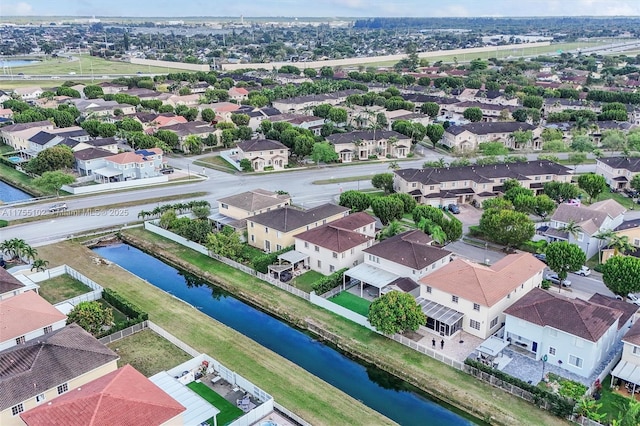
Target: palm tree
<point x="28" y="253"/>
<point x="620" y="244"/>
<point x="393" y="228"/>
<point x="433" y="230"/>
<point x="39" y="265"/>
<point x="603" y="237"/>
<point x="13" y="247"/>
<point x="572" y="228"/>
<point x="394" y="165"/>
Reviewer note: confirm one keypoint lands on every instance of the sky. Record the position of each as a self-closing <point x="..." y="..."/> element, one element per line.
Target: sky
<point x="319" y="8"/>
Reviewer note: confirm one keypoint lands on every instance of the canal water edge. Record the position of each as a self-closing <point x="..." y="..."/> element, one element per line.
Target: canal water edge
<point x="471" y="412"/>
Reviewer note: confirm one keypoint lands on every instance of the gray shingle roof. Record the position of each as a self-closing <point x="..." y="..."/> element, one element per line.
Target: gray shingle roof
<point x="365" y="135"/>
<point x="8" y="282"/>
<point x="42" y="138"/>
<point x="55" y="358"/>
<point x="628" y="163"/>
<point x="410" y="249"/>
<point x="260" y="145"/>
<point x="485" y="128"/>
<point x="255" y="200"/>
<point x="289" y="218"/>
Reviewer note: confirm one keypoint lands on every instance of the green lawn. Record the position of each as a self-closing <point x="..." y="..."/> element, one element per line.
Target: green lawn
<point x="305" y="281"/>
<point x="217" y="163"/>
<point x="87" y="65"/>
<point x="617" y="196"/>
<point x="148" y="352"/>
<point x="4" y="149"/>
<point x="352" y="302"/>
<point x="612" y="402"/>
<point x="228" y="411"/>
<point x="118" y="316"/>
<point x="21" y="180"/>
<point x="63" y="287"/>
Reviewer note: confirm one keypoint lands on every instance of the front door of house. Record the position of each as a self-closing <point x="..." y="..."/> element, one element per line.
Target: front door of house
<point x="267" y="246"/>
<point x="534" y="347"/>
<point x="443" y="329"/>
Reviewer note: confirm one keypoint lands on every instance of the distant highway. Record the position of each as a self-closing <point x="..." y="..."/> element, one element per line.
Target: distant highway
<point x="53" y="77"/>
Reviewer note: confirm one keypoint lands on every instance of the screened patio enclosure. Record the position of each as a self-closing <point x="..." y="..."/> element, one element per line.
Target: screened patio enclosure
<point x="444" y="321"/>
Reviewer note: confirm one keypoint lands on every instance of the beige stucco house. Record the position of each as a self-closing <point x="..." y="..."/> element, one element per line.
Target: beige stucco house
<point x="618" y="171"/>
<point x="468" y="137"/>
<point x="18" y="135"/>
<point x="339" y="244"/>
<point x="263" y="154"/>
<point x="365" y="144"/>
<point x="251" y="203"/>
<point x="629" y="229"/>
<point x="275" y="230"/>
<point x="39" y="377"/>
<point x="468" y="296"/>
<point x="628" y="369"/>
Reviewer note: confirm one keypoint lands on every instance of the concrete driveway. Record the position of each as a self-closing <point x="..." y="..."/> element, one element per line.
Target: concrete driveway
<point x="468" y="215"/>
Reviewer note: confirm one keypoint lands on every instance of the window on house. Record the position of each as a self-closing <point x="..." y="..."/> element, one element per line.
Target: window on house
<point x="636" y="242"/>
<point x="454" y="299"/>
<point x="476" y="307"/>
<point x="580" y="236"/>
<point x="548" y="177"/>
<point x="17" y="409"/>
<point x="509" y="296"/>
<point x="319" y="264"/>
<point x="353" y="251"/>
<point x="20" y="340"/>
<point x="48" y="329"/>
<point x="537" y="178"/>
<point x="253" y="238"/>
<point x="474" y="324"/>
<point x="575" y="361"/>
<point x="413" y="185"/>
<point x="636" y="350"/>
<point x="63" y="388"/>
<point x="493" y="322"/>
<point x="40" y="398"/>
<point x="332" y="268"/>
<point x="432" y="187"/>
<point x="266" y="230"/>
<point x="429" y="289"/>
<point x="278" y="247"/>
<point x="343" y="255"/>
<point x="316" y="248"/>
<point x="306" y="244"/>
<point x="552" y="350"/>
<point x="251" y="224"/>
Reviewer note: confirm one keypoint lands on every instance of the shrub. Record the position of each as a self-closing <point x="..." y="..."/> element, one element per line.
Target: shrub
<point x="330" y="282"/>
<point x="534" y="246"/>
<point x="261" y="263"/>
<point x="3" y="223"/>
<point x="475" y="231"/>
<point x="131" y="310"/>
<point x="545" y="285"/>
<point x="558" y="404"/>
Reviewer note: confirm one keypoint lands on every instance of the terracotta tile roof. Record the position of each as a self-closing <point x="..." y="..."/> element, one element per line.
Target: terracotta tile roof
<point x="238" y="91"/>
<point x="287" y="218"/>
<point x="578" y="317"/>
<point x="30" y="369"/>
<point x="485" y="285"/>
<point x="8" y="283"/>
<point x="633" y="335"/>
<point x="412" y="249"/>
<point x="24" y="313"/>
<point x="165" y="121"/>
<point x="627" y="309"/>
<point x="255" y="200"/>
<point x="131" y="157"/>
<point x="122" y="397"/>
<point x="354" y="221"/>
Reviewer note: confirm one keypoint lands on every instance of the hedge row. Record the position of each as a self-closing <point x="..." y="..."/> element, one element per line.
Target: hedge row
<point x="558" y="405"/>
<point x="325" y="284"/>
<point x="261" y="263"/>
<point x="3" y="223"/>
<point x="534" y="246"/>
<point x="133" y="312"/>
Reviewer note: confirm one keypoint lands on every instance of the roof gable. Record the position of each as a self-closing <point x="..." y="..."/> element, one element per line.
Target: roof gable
<point x="24" y="313"/>
<point x="411" y="249"/>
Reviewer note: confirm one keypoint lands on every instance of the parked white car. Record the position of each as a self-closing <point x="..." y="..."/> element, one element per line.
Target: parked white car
<point x="633" y="299"/>
<point x="584" y="271"/>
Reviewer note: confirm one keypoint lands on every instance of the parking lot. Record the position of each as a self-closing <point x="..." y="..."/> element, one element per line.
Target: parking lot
<point x="468" y="215"/>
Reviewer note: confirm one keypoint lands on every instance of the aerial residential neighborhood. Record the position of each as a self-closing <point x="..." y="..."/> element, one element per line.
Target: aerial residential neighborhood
<point x="298" y="214"/>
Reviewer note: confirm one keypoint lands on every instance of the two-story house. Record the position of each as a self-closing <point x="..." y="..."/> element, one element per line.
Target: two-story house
<point x="275" y="229"/>
<point x="364" y="144"/>
<point x="406" y="255"/>
<point x="45" y="368"/>
<point x="618" y="171"/>
<point x="201" y="129"/>
<point x="123" y="397"/>
<point x="238" y="94"/>
<point x="141" y="164"/>
<point x="438" y="186"/>
<point x="628" y="369"/>
<point x="263" y="154"/>
<point x="576" y="335"/>
<point x="464" y="295"/>
<point x="17" y="135"/>
<point x="90" y="159"/>
<point x="468" y="137"/>
<point x="339" y="244"/>
<point x="308" y="102"/>
<point x="28" y="93"/>
<point x="251" y="203"/>
<point x="629" y="229"/>
<point x="25" y="317"/>
<point x="593" y="219"/>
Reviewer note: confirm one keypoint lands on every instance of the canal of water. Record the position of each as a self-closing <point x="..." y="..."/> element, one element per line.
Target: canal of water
<point x="385" y="393"/>
<point x="10" y="193"/>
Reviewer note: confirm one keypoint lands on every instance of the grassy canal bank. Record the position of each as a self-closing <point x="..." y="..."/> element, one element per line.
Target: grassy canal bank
<point x="443" y="382"/>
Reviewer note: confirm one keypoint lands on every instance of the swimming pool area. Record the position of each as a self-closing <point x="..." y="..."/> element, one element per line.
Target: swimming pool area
<point x="15" y="160"/>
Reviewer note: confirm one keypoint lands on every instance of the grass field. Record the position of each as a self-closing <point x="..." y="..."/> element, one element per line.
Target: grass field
<point x="228" y="411"/>
<point x="63" y="287"/>
<point x="21" y="181"/>
<point x="148" y="353"/>
<point x="313" y="399"/>
<point x="87" y="65"/>
<point x="352" y="302"/>
<point x="216" y="162"/>
<point x="305" y="281"/>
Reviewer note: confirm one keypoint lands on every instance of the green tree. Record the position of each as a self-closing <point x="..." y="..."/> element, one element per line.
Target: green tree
<point x="310" y="72"/>
<point x="396" y="312"/>
<point x="91" y="316"/>
<point x="613" y="140"/>
<point x="452" y="228"/>
<point x="620" y="244"/>
<point x="107" y="130"/>
<point x="91" y="127"/>
<point x="620" y="274"/>
<point x="387" y="209"/>
<point x="355" y="200"/>
<point x="434" y="133"/>
<point x="323" y="151"/>
<point x="473" y="114"/>
<point x="492" y="148"/>
<point x="408" y="201"/>
<point x="393" y="228"/>
<point x="338" y="115"/>
<point x="62" y="118"/>
<point x="433" y="230"/>
<point x="507" y="227"/>
<point x="57" y="157"/>
<point x="322" y="110"/>
<point x="225" y="243"/>
<point x="430" y="213"/>
<point x="577" y="158"/>
<point x="544" y="205"/>
<point x="240" y="119"/>
<point x="432" y="109"/>
<point x="192" y="144"/>
<point x="561" y="191"/>
<point x="582" y="143"/>
<point x="245" y="165"/>
<point x="498" y="203"/>
<point x="635" y="182"/>
<point x="326" y="72"/>
<point x="208" y="115"/>
<point x="531" y="101"/>
<point x="39" y="265"/>
<point x="14" y="247"/>
<point x="168" y="137"/>
<point x="592" y="184"/>
<point x="564" y="257"/>
<point x="128" y="125"/>
<point x="93" y="91"/>
<point x="383" y="181"/>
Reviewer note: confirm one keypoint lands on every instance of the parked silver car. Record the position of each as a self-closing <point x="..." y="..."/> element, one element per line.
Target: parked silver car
<point x="555" y="279"/>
